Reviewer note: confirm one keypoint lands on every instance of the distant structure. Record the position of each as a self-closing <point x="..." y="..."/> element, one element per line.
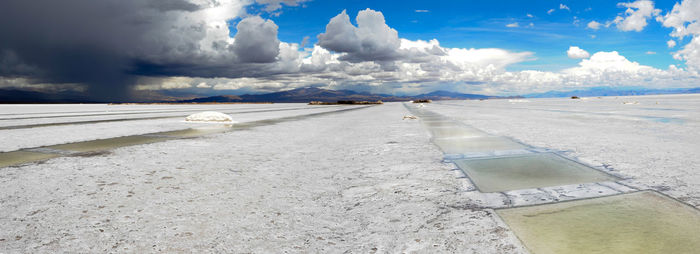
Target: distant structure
<point x="575" y="97"/>
<point x="422" y="101"/>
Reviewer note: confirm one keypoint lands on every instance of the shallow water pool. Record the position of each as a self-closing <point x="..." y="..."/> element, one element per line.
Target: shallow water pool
<point x="21" y="157"/>
<point x="477" y="142"/>
<point x="641" y="222"/>
<point x="527" y="171"/>
<point x="106" y="144"/>
<point x="442" y="123"/>
<point x="455" y="132"/>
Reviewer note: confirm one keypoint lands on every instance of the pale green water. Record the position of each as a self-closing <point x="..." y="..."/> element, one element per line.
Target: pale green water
<point x="442" y="123"/>
<point x="642" y="222"/>
<point x="476" y="143"/>
<point x="21" y="157"/>
<point x="106" y="144"/>
<point x="455" y="132"/>
<point x="434" y="118"/>
<point x="528" y="171"/>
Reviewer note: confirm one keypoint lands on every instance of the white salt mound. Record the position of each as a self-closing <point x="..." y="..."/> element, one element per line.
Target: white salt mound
<point x="209" y="116"/>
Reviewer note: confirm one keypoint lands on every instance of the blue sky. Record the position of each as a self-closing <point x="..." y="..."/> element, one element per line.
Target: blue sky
<point x="482" y="24"/>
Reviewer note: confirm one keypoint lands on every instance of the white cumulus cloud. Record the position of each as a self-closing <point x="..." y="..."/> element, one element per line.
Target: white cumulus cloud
<point x="684" y="19"/>
<point x="671" y="43"/>
<point x="636" y="15"/>
<point x="577" y="53"/>
<point x="514" y="24"/>
<point x="594" y="25"/>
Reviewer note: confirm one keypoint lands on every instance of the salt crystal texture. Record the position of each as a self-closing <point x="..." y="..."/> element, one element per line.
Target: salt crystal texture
<point x="209" y="116"/>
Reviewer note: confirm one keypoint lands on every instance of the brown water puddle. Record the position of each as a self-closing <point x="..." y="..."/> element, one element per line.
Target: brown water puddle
<point x="21" y="157"/>
<point x="106" y="144"/>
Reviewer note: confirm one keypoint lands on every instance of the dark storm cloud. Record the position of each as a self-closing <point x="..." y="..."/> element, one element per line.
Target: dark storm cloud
<point x="104" y="43"/>
<point x="173" y="5"/>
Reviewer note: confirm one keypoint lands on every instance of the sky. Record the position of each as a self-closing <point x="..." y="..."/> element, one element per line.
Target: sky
<point x="121" y="49"/>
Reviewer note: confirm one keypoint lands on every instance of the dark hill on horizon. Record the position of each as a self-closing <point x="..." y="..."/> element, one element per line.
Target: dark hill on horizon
<point x="299" y="95"/>
<point x="325" y="95"/>
<point x="16" y="96"/>
<point x="305" y="95"/>
<point x="612" y="91"/>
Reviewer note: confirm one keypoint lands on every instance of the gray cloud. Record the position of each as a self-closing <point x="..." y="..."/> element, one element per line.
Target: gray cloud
<point x="106" y="44"/>
<point x="371" y="40"/>
<point x="273" y="5"/>
<point x="256" y="41"/>
<point x="340" y="35"/>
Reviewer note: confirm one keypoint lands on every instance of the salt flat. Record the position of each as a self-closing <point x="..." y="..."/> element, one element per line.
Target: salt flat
<point x="362" y="180"/>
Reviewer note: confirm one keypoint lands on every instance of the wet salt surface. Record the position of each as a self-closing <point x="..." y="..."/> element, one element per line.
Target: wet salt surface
<point x="65" y="133"/>
<point x="18" y="123"/>
<point x="101" y="145"/>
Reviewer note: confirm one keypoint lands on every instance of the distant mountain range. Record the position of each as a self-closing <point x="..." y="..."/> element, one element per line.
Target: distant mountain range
<point x="317" y="94"/>
<point x="324" y="95"/>
<point x="607" y="91"/>
<point x="23" y="96"/>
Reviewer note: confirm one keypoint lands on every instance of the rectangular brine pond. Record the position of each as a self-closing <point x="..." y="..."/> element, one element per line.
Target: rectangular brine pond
<point x="528" y="171"/>
<point x="21" y="157"/>
<point x="455" y="132"/>
<point x="641" y="222"/>
<point x="106" y="144"/>
<point x="475" y="144"/>
<point x="442" y="124"/>
<point x="433" y="118"/>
